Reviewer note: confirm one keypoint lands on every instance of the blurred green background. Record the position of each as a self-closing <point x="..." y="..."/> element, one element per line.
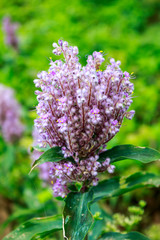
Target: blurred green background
<point x="125" y="30"/>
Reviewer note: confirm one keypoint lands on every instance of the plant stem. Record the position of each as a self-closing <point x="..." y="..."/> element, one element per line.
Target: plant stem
<point x="86" y="238"/>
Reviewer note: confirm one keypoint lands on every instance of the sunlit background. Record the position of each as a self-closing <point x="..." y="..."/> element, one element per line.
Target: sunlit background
<point x="125" y="30"/>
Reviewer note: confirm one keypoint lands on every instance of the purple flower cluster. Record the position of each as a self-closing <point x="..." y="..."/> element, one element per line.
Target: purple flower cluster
<point x="80" y="109"/>
<point x="10" y="125"/>
<point x="61" y="174"/>
<point x="85" y="171"/>
<point x="10" y="31"/>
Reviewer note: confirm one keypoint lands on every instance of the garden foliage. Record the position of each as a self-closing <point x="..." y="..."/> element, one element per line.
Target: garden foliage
<point x="125" y="30"/>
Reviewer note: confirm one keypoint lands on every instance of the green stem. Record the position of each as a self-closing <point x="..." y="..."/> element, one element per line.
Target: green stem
<point x="86" y="238"/>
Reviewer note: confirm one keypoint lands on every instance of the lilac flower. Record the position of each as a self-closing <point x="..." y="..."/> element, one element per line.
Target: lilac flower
<point x="10" y="125"/>
<point x="86" y="171"/>
<point x="10" y="31"/>
<point x="80" y="109"/>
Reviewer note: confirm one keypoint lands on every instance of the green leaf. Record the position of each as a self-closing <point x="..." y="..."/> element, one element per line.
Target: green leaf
<point x="100" y="219"/>
<point x="52" y="155"/>
<point x="42" y="236"/>
<point x="77" y="216"/>
<point x="122" y="152"/>
<point x="36" y="226"/>
<point x="120" y="236"/>
<point x="9" y="158"/>
<point x="117" y="186"/>
<point x="22" y="214"/>
<point x="75" y="187"/>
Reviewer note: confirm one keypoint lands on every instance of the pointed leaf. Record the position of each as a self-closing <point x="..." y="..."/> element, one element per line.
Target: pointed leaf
<point x="77" y="216"/>
<point x="120" y="236"/>
<point x="36" y="226"/>
<point x="122" y="152"/>
<point x="117" y="186"/>
<point x="52" y="155"/>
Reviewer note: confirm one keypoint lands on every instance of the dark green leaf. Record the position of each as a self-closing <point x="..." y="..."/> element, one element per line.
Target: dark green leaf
<point x="117" y="186"/>
<point x="52" y="155"/>
<point x="36" y="226"/>
<point x="120" y="236"/>
<point x="122" y="152"/>
<point x="77" y="216"/>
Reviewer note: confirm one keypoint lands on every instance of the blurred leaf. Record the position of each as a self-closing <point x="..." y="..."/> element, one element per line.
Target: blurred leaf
<point x="45" y="195"/>
<point x="153" y="231"/>
<point x="117" y="186"/>
<point x="22" y="213"/>
<point x="30" y="197"/>
<point x="36" y="226"/>
<point x="49" y="208"/>
<point x="77" y="216"/>
<point x="122" y="152"/>
<point x="9" y="158"/>
<point x="120" y="236"/>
